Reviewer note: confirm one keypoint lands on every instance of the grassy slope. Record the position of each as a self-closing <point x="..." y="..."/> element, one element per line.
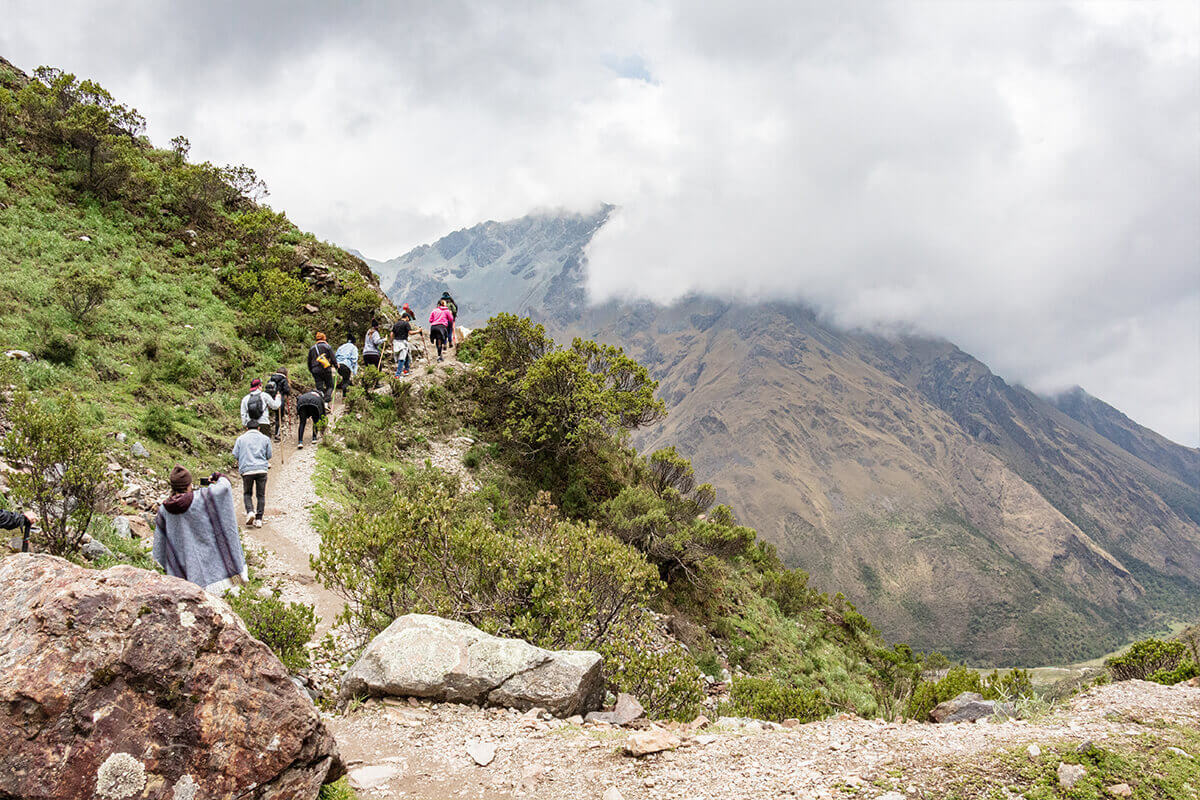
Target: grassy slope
<point x="166" y="337"/>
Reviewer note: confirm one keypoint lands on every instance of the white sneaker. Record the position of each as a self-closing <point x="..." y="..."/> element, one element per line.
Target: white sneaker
<point x="250" y="518"/>
<point x="300" y="446"/>
<point x="258" y="523"/>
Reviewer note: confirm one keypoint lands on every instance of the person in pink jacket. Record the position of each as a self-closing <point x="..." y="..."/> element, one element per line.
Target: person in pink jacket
<point x="441" y="322"/>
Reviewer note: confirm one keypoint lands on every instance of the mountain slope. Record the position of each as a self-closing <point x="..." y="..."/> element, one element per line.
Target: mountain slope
<point x="533" y="262"/>
<point x="959" y="512"/>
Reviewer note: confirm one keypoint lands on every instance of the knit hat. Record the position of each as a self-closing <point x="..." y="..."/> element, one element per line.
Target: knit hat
<point x="180" y="479"/>
<point x="254" y="384"/>
<point x="320" y="337"/>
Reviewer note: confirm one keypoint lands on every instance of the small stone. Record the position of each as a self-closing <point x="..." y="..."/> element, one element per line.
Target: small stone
<point x="1034" y="751"/>
<point x="94" y="550"/>
<point x="1070" y="774"/>
<point x="1119" y="790"/>
<point x="372" y="777"/>
<point x="1086" y="746"/>
<point x="139" y="450"/>
<point x="1179" y="752"/>
<point x="481" y="752"/>
<point x="310" y="308"/>
<point x="612" y="793"/>
<point x="891" y="796"/>
<point x="655" y="740"/>
<point x="21" y="355"/>
<point x="122" y="438"/>
<point x="699" y="723"/>
<point x="791" y="722"/>
<point x="85" y="238"/>
<point x="754" y="726"/>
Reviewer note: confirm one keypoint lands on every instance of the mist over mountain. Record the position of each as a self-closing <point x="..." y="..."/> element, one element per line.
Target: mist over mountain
<point x="960" y="512"/>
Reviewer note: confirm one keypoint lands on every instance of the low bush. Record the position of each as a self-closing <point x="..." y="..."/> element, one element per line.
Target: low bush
<point x="59" y="349"/>
<point x="549" y="581"/>
<point x="764" y="698"/>
<point x="1011" y="685"/>
<point x="158" y="423"/>
<point x="929" y="694"/>
<point x="1146" y="658"/>
<point x="283" y="627"/>
<point x="665" y="681"/>
<point x="63" y="475"/>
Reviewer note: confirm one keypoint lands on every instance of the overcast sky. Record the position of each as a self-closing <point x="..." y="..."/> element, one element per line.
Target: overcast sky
<point x="1020" y="177"/>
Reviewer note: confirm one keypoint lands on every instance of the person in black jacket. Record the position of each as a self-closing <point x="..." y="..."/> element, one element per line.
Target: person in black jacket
<point x="310" y="405"/>
<point x="320" y="363"/>
<point x="16" y="519"/>
<point x="279" y="388"/>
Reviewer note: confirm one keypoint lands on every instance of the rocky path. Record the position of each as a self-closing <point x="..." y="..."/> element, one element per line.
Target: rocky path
<point x="398" y="750"/>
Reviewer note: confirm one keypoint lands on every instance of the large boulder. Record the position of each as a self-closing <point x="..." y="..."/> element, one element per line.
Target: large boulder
<point x="424" y="656"/>
<point x="968" y="707"/>
<point x="123" y="683"/>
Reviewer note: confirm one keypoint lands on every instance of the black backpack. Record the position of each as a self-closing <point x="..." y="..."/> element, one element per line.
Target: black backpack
<point x="254" y="407"/>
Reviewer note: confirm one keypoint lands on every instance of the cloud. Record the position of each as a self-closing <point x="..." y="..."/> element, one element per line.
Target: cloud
<point x="1021" y="178"/>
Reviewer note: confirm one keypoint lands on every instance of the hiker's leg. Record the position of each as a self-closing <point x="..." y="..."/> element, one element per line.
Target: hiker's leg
<point x="248" y="492"/>
<point x="260" y="488"/>
<point x="303" y="422"/>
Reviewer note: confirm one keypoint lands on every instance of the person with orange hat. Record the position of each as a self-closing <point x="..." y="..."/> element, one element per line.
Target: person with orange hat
<point x="320" y="364"/>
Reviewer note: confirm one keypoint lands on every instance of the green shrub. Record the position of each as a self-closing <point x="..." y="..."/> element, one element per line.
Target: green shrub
<point x="473" y="458"/>
<point x="1183" y="672"/>
<point x="158" y="423"/>
<point x="59" y="349"/>
<point x="666" y="683"/>
<point x="1146" y="658"/>
<point x="549" y="581"/>
<point x="1011" y="685"/>
<point x="63" y="475"/>
<point x="283" y="627"/>
<point x="766" y="698"/>
<point x="928" y="694"/>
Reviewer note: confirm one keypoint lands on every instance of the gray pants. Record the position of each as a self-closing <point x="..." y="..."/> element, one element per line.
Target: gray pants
<point x="251" y="485"/>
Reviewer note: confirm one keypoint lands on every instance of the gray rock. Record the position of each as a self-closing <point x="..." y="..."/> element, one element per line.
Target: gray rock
<point x="425" y="656"/>
<point x="122" y="438"/>
<point x="139" y="450"/>
<point x="21" y="355"/>
<point x="627" y="710"/>
<point x="94" y="549"/>
<point x="121" y="526"/>
<point x="1070" y="774"/>
<point x="968" y="707"/>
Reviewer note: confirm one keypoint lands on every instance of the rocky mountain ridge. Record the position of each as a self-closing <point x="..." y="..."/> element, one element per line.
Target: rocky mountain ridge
<point x="960" y="512"/>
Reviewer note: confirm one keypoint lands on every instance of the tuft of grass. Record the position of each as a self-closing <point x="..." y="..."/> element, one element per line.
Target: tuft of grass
<point x="338" y="790"/>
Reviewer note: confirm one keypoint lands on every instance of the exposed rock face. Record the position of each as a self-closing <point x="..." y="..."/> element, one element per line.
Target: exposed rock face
<point x="425" y="656"/>
<point x="123" y="683"/>
<point x="968" y="707"/>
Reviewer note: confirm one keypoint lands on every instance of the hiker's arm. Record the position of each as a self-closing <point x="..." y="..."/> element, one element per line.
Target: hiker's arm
<point x="14" y="519"/>
<point x="272" y="402"/>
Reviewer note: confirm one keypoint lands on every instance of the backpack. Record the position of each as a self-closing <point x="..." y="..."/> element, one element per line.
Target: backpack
<point x="271" y="388"/>
<point x="254" y="407"/>
<point x="322" y="358"/>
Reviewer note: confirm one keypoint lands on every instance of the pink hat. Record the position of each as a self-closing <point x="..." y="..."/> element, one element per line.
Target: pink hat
<point x="254" y="384"/>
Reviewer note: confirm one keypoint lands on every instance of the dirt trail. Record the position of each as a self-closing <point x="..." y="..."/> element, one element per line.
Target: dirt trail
<point x="287" y="537"/>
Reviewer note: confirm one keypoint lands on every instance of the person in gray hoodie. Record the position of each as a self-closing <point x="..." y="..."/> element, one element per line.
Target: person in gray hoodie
<point x="253" y="453"/>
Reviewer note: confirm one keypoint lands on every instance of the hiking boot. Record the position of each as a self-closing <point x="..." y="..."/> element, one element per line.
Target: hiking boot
<point x="250" y="519"/>
<point x="257" y="522"/>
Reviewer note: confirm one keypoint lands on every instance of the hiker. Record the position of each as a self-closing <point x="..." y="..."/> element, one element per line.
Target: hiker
<point x="310" y="405"/>
<point x="16" y="519"/>
<point x="405" y="311"/>
<point x="400" y="347"/>
<point x="196" y="533"/>
<point x="347" y="364"/>
<point x="257" y="406"/>
<point x="372" y="346"/>
<point x="253" y="453"/>
<point x="279" y="388"/>
<point x="440" y="323"/>
<point x="320" y="364"/>
<point x="453" y="306"/>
